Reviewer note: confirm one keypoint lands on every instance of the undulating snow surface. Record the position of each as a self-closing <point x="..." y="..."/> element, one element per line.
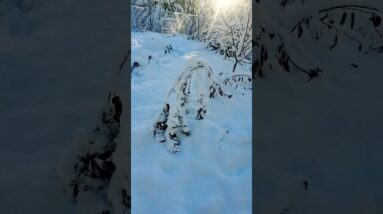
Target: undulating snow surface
<point x="327" y="132"/>
<point x="54" y="59"/>
<point x="212" y="173"/>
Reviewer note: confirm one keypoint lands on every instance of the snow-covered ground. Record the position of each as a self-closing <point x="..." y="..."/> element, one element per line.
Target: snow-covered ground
<point x="212" y="174"/>
<point x="327" y="132"/>
<point x="54" y="59"/>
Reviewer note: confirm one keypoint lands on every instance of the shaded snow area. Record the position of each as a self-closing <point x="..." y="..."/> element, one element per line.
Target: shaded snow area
<point x="319" y="143"/>
<point x="212" y="172"/>
<point x="54" y="59"/>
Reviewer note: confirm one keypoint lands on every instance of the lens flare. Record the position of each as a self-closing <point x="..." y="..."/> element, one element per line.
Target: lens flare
<point x="221" y="6"/>
<point x="224" y="4"/>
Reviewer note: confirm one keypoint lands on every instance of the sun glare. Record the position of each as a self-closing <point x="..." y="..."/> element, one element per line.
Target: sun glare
<point x="224" y="4"/>
<point x="221" y="6"/>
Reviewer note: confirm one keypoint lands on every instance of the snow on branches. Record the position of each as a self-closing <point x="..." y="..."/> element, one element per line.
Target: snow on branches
<point x="236" y="80"/>
<point x="230" y="32"/>
<point x="358" y="23"/>
<point x="278" y="39"/>
<point x="172" y="119"/>
<point x="90" y="165"/>
<point x="93" y="171"/>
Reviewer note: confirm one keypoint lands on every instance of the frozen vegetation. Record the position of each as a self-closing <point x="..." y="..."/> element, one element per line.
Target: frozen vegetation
<point x="317" y="109"/>
<point x="212" y="170"/>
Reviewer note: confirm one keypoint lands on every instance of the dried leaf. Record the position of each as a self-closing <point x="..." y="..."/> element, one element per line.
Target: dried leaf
<point x="352" y="20"/>
<point x="376" y="20"/>
<point x="300" y="31"/>
<point x="343" y="20"/>
<point x="335" y="42"/>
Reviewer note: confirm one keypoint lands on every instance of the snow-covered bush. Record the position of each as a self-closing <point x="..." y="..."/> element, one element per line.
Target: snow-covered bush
<point x="90" y="166"/>
<point x="236" y="80"/>
<point x="280" y="36"/>
<point x="94" y="171"/>
<point x="198" y="76"/>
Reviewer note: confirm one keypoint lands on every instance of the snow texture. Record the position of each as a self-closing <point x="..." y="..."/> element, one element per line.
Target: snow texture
<point x="318" y="144"/>
<point x="55" y="57"/>
<point x="212" y="173"/>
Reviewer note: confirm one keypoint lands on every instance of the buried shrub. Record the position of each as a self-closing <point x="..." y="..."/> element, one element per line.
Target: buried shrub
<point x="172" y="119"/>
<point x="94" y="172"/>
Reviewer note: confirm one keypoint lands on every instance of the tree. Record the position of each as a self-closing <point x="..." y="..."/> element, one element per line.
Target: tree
<point x="229" y="32"/>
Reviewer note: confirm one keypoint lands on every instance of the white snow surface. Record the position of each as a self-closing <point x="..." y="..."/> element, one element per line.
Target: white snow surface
<point x="54" y="59"/>
<point x="212" y="173"/>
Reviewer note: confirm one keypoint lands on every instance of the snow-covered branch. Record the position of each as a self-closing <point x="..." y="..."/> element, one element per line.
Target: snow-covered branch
<point x="198" y="76"/>
<point x="277" y="43"/>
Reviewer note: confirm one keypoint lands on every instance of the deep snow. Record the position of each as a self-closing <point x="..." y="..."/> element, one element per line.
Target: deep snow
<point x="54" y="59"/>
<point x="212" y="173"/>
<point x="326" y="132"/>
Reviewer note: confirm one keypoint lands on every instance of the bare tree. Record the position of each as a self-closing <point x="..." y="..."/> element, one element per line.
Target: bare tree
<point x="231" y="32"/>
